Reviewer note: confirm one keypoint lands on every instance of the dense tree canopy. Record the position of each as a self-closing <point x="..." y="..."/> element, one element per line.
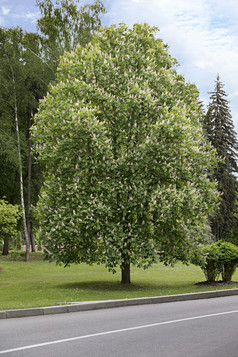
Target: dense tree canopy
<point x="64" y="24"/>
<point x="9" y="216"/>
<point x="124" y="154"/>
<point x="28" y="63"/>
<point x="23" y="77"/>
<point x="219" y="129"/>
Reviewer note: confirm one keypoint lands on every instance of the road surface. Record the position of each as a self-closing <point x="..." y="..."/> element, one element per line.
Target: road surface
<point x="200" y="328"/>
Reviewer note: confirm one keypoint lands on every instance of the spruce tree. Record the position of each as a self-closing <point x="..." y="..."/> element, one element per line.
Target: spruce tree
<point x="219" y="129"/>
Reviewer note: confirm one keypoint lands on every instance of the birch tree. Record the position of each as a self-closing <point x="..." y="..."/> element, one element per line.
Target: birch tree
<point x="28" y="63"/>
<point x="12" y="75"/>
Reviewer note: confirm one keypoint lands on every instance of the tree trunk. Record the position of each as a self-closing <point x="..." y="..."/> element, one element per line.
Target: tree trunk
<point x="20" y="172"/>
<point x="125" y="273"/>
<point x="6" y="244"/>
<point x="125" y="267"/>
<point x="29" y="214"/>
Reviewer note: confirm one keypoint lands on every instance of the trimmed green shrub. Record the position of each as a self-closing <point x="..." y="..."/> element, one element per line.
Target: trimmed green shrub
<point x="228" y="258"/>
<point x="208" y="260"/>
<point x="215" y="259"/>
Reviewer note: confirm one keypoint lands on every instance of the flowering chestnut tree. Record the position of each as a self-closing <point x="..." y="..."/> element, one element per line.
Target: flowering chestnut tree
<point x="125" y="159"/>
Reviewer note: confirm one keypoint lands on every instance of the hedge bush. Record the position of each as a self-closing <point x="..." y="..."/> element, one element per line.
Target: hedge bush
<point x="219" y="258"/>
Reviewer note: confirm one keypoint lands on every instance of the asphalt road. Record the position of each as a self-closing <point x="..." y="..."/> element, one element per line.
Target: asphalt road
<point x="200" y="328"/>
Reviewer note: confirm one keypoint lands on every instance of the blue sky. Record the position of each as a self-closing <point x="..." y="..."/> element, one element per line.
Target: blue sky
<point x="202" y="35"/>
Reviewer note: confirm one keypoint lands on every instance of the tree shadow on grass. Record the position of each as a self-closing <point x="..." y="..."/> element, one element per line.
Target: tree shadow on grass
<point x="113" y="286"/>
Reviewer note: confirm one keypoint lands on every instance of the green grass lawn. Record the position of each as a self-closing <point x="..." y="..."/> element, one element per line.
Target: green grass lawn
<point x="38" y="283"/>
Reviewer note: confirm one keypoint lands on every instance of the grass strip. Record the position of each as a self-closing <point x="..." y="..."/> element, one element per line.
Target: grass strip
<point x="38" y="283"/>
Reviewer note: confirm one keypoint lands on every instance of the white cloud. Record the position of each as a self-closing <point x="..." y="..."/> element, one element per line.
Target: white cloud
<point x="27" y="15"/>
<point x="5" y="10"/>
<point x="33" y="16"/>
<point x="235" y="94"/>
<point x="203" y="64"/>
<point x="202" y="36"/>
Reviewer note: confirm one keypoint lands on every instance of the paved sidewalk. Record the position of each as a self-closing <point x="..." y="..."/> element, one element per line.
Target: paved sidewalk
<point x="105" y="304"/>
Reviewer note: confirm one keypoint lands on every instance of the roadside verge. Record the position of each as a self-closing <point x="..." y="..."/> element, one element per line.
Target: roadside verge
<point x="106" y="304"/>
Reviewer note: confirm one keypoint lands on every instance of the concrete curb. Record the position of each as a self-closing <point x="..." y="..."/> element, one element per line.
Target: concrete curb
<point x="95" y="305"/>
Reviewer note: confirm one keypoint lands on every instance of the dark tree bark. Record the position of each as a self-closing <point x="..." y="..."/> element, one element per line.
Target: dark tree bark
<point x="126" y="273"/>
<point x="125" y="267"/>
<point x="6" y="244"/>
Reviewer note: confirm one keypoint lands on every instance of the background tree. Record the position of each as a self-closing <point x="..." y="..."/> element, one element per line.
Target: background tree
<point x="24" y="81"/>
<point x="9" y="216"/>
<point x="219" y="129"/>
<point x="33" y="59"/>
<point x="63" y="25"/>
<point x="11" y="98"/>
<point x="124" y="155"/>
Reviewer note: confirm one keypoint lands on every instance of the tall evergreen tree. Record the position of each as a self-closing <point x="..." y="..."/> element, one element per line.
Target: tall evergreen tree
<point x="219" y="129"/>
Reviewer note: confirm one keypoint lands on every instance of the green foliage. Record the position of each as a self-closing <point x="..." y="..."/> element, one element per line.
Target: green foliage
<point x="18" y="244"/>
<point x="217" y="258"/>
<point x="229" y="260"/>
<point x="31" y="58"/>
<point x="10" y="51"/>
<point x="64" y="25"/>
<point x="219" y="130"/>
<point x="15" y="254"/>
<point x="9" y="216"/>
<point x="39" y="239"/>
<point x="208" y="259"/>
<point x="124" y="154"/>
<point x="233" y="238"/>
<point x="22" y="84"/>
